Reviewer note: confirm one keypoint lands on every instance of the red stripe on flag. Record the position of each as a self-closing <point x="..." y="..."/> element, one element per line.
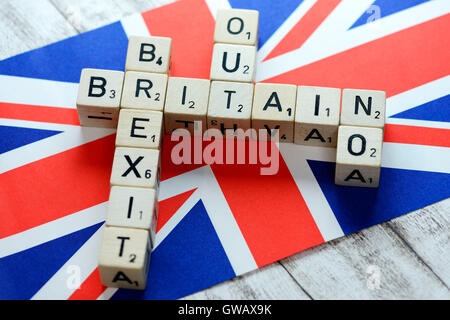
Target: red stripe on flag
<point x="168" y="168"/>
<point x="54" y="187"/>
<point x="417" y="135"/>
<point x="270" y="211"/>
<point x="395" y="63"/>
<point x="90" y="289"/>
<point x="305" y="27"/>
<point x="190" y="24"/>
<point x="39" y="113"/>
<point x="168" y="207"/>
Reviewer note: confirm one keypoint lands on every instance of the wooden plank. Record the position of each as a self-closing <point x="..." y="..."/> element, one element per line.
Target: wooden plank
<point x="270" y="282"/>
<point x="87" y="14"/>
<point x="26" y="25"/>
<point x="347" y="268"/>
<point x="427" y="232"/>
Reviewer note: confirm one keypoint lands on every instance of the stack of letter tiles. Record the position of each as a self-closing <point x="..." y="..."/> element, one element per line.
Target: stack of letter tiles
<point x="133" y="102"/>
<point x="144" y="102"/>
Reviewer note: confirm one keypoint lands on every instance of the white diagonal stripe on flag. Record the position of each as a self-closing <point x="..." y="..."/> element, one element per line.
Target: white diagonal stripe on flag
<point x="295" y="157"/>
<point x="134" y="25"/>
<point x="38" y="92"/>
<point x="52" y="230"/>
<point x="70" y="137"/>
<point x="86" y="259"/>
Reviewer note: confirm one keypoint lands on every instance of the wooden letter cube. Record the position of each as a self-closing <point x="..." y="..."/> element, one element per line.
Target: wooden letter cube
<point x="358" y="159"/>
<point x="149" y="54"/>
<point x="232" y="62"/>
<point x="124" y="258"/>
<point x="237" y="26"/>
<point x="186" y="102"/>
<point x="143" y="90"/>
<point x="274" y="110"/>
<point x="133" y="208"/>
<point x="317" y="116"/>
<point x="135" y="167"/>
<point x="230" y="105"/>
<point x="366" y="108"/>
<point x="98" y="98"/>
<point x="139" y="128"/>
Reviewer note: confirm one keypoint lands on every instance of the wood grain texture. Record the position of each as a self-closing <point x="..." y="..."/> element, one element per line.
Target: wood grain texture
<point x="26" y="25"/>
<point x="427" y="232"/>
<point x="89" y="14"/>
<point x="270" y="282"/>
<point x="343" y="268"/>
<point x="411" y="252"/>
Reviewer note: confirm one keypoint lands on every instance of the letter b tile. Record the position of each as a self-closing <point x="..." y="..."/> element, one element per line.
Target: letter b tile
<point x="149" y="54"/>
<point x="98" y="100"/>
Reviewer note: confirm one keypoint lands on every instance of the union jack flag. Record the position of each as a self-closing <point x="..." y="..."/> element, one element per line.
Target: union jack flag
<point x="218" y="221"/>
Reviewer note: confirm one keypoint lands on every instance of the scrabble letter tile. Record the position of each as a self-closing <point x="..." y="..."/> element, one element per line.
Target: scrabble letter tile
<point x="274" y="110"/>
<point x="133" y="208"/>
<point x="124" y="258"/>
<point x="230" y="105"/>
<point x="358" y="159"/>
<point x="186" y="102"/>
<point x="317" y="116"/>
<point x="139" y="128"/>
<point x="98" y="98"/>
<point x="366" y="108"/>
<point x="232" y="62"/>
<point x="143" y="90"/>
<point x="149" y="54"/>
<point x="237" y="26"/>
<point x="135" y="167"/>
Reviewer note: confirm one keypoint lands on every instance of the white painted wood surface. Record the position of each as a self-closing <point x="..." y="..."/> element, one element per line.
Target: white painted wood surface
<point x="411" y="253"/>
